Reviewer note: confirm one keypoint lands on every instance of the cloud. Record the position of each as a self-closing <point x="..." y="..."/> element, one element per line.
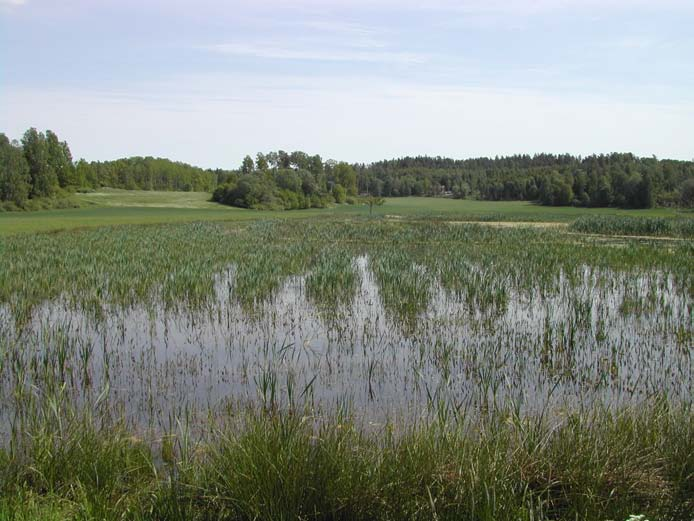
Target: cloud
<point x="636" y="43"/>
<point x="215" y="120"/>
<point x="338" y="27"/>
<point x="323" y="39"/>
<point x="280" y="52"/>
<point x="357" y="35"/>
<point x="477" y="6"/>
<point x="337" y="92"/>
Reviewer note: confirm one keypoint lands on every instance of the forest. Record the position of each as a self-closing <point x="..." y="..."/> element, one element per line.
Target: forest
<point x="288" y="181"/>
<point x="298" y="180"/>
<point x="41" y="167"/>
<point x="619" y="180"/>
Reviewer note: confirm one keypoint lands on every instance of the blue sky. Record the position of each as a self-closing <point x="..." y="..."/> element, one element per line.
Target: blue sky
<point x="208" y="82"/>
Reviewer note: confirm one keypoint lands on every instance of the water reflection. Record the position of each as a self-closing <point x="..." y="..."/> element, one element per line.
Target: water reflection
<point x="611" y="337"/>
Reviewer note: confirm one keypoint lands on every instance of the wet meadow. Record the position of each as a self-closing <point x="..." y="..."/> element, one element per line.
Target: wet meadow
<point x="345" y="369"/>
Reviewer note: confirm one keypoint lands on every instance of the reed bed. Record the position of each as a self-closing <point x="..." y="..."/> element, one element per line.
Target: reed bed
<point x="616" y="225"/>
<point x="363" y="369"/>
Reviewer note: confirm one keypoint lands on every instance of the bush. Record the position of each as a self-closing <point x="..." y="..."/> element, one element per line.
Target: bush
<point x="339" y="193"/>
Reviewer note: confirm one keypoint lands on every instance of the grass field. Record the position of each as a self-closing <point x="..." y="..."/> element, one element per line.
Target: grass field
<point x="115" y="198"/>
<point x="114" y="207"/>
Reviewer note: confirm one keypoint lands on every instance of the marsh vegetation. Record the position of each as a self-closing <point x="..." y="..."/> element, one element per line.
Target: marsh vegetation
<point x="345" y="369"/>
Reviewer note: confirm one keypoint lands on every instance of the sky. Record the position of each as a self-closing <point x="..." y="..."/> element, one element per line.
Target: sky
<point x="207" y="82"/>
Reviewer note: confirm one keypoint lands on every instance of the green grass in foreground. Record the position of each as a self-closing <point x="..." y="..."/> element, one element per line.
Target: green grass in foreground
<point x="115" y="207"/>
<point x="593" y="466"/>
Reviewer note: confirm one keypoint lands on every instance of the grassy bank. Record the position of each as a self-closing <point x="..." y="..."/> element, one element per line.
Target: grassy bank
<point x="593" y="465"/>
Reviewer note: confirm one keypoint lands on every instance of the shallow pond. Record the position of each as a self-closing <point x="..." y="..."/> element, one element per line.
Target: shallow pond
<point x="608" y="337"/>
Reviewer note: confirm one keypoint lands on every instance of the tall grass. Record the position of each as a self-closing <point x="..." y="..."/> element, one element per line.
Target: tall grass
<point x="618" y="225"/>
<point x="174" y="266"/>
<point x="595" y="464"/>
<point x="332" y="280"/>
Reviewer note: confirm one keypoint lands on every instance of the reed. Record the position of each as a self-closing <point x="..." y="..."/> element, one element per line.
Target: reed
<point x="619" y="225"/>
<point x="345" y="369"/>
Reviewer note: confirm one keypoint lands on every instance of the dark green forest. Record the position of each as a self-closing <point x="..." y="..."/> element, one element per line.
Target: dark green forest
<point x="289" y="181"/>
<point x="41" y="167"/>
<point x="298" y="180"/>
<point x="146" y="173"/>
<point x="619" y="180"/>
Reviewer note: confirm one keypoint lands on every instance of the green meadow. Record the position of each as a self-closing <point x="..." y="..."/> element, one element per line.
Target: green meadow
<point x="116" y="207"/>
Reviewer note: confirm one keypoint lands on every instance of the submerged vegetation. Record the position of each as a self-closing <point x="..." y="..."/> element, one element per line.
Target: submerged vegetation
<point x="345" y="369"/>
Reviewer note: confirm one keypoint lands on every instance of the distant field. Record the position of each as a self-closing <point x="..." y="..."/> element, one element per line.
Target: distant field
<point x="114" y="198"/>
<point x="114" y="207"/>
<point x="503" y="210"/>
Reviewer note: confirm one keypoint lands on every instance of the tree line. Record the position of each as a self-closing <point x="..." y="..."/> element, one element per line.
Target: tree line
<point x="619" y="180"/>
<point x="298" y="180"/>
<point x="147" y="173"/>
<point x="41" y="166"/>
